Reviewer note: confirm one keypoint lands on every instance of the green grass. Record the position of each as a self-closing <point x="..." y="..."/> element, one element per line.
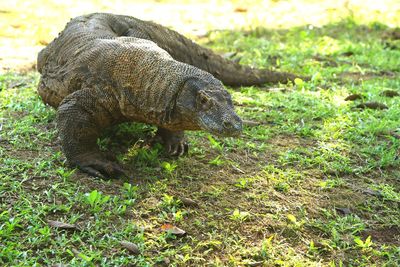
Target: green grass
<point x="315" y="183"/>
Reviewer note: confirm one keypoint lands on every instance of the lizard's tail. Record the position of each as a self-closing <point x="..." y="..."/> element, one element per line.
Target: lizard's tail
<point x="234" y="74"/>
<point x="229" y="72"/>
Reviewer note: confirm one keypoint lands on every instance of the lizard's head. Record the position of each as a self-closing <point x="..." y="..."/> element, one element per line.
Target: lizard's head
<point x="209" y="106"/>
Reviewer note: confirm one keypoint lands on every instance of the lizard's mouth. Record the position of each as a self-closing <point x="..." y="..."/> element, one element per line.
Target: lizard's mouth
<point x="223" y="127"/>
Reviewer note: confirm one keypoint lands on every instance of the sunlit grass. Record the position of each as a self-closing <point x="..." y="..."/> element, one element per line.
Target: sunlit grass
<point x="26" y="26"/>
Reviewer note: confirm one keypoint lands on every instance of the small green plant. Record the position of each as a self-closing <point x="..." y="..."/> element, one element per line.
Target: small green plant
<point x="242" y="183"/>
<point x="215" y="144"/>
<point x="96" y="200"/>
<point x="388" y="192"/>
<point x="293" y="221"/>
<point x="178" y="216"/>
<point x="45" y="232"/>
<point x="282" y="186"/>
<point x="130" y="191"/>
<point x="240" y="216"/>
<point x="216" y="161"/>
<point x="148" y="155"/>
<point x="103" y="143"/>
<point x="266" y="247"/>
<point x="119" y="208"/>
<point x="330" y="183"/>
<point x="340" y="229"/>
<point x="215" y="192"/>
<point x="88" y="260"/>
<point x="364" y="245"/>
<point x="299" y="82"/>
<point x="143" y="155"/>
<point x="65" y="173"/>
<point x="170" y="203"/>
<point x="168" y="167"/>
<point x="312" y="249"/>
<point x="9" y="226"/>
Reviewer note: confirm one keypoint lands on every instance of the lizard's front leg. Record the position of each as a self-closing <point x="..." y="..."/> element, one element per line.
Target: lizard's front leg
<point x="81" y="118"/>
<point x="174" y="142"/>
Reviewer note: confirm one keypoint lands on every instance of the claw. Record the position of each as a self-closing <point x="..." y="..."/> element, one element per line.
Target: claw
<point x="98" y="166"/>
<point x="175" y="150"/>
<point x="92" y="172"/>
<point x="174" y="142"/>
<point x="178" y="149"/>
<point x="182" y="149"/>
<point x="186" y="147"/>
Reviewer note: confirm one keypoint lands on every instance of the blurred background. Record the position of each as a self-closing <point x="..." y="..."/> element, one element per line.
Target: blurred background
<point x="27" y="26"/>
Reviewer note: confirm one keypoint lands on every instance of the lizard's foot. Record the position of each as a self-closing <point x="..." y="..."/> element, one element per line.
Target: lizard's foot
<point x="176" y="148"/>
<point x="174" y="142"/>
<point x="98" y="166"/>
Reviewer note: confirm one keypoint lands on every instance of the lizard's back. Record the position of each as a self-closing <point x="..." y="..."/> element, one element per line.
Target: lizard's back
<point x="61" y="74"/>
<point x="63" y="63"/>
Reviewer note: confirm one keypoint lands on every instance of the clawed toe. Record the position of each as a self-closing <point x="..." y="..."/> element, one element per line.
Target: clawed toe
<point x="99" y="167"/>
<point x="174" y="142"/>
<point x="92" y="172"/>
<point x="178" y="149"/>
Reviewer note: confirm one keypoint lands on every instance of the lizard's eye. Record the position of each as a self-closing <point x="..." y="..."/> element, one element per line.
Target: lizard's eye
<point x="204" y="101"/>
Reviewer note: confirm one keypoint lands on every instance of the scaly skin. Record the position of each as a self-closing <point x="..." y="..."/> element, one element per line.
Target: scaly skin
<point x="106" y="69"/>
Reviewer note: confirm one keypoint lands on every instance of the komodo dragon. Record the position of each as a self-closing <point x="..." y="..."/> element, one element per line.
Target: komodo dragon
<point x="105" y="69"/>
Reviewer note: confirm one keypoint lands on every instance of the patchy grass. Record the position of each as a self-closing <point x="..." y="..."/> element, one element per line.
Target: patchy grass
<point x="314" y="182"/>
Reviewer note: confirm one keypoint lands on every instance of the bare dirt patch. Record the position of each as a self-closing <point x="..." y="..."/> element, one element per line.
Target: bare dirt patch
<point x="384" y="235"/>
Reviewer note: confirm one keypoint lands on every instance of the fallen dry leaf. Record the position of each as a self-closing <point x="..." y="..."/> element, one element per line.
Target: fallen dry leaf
<point x="390" y="93"/>
<point x="255" y="264"/>
<point x="16" y="85"/>
<point x="251" y="123"/>
<point x="394" y="134"/>
<point x="353" y="97"/>
<point x="344" y="211"/>
<point x="347" y="54"/>
<point x="372" y="192"/>
<point x="240" y="9"/>
<point x="327" y="61"/>
<point x="57" y="224"/>
<point x="188" y="202"/>
<point x="131" y="247"/>
<point x="372" y="105"/>
<point x="172" y="229"/>
<point x="237" y="170"/>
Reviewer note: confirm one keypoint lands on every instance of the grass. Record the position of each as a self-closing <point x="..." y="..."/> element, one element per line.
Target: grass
<point x="315" y="182"/>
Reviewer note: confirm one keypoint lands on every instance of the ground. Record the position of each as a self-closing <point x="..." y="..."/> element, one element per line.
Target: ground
<point x="313" y="180"/>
